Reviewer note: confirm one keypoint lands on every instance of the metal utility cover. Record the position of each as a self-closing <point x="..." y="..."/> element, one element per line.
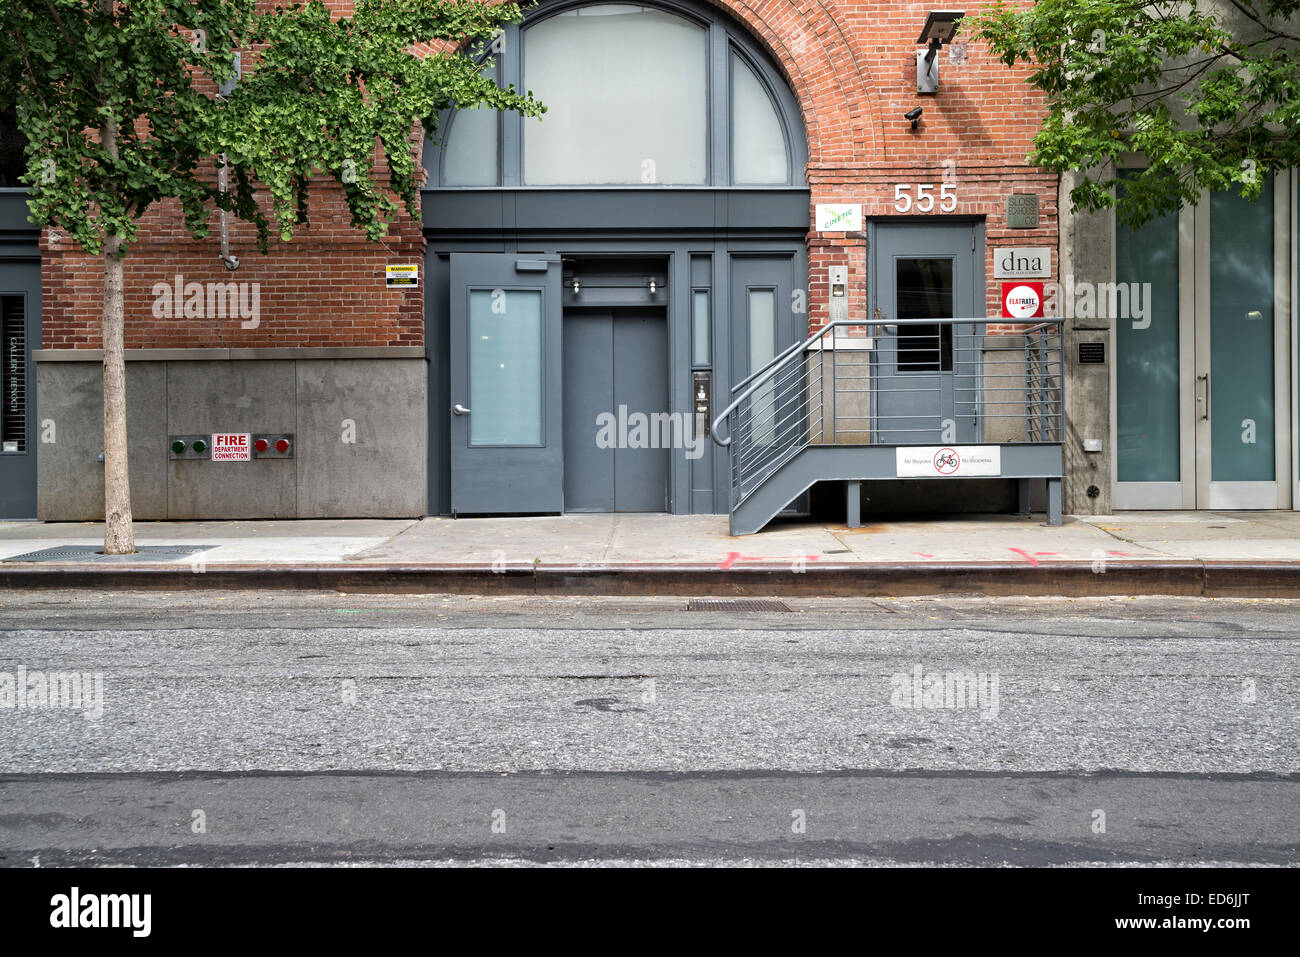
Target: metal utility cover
<point x="736" y="604"/>
<point x="94" y="553"/>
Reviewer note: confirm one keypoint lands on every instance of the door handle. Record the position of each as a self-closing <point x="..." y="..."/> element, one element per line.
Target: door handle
<point x="459" y="409"/>
<point x="1204" y="400"/>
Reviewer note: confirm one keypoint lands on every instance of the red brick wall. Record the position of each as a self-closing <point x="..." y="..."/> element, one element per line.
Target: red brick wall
<point x="852" y="67"/>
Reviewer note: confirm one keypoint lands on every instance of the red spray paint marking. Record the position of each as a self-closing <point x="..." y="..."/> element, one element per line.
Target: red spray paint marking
<point x="733" y="557"/>
<point x="1030" y="558"/>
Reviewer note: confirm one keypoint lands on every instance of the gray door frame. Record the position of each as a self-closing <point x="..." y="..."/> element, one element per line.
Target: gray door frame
<point x="611" y="384"/>
<point x="506" y="478"/>
<point x="20" y="274"/>
<point x="678" y="248"/>
<point x="888" y="241"/>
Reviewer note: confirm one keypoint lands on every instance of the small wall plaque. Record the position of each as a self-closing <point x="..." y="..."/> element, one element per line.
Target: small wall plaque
<point x="1092" y="353"/>
<point x="1022" y="211"/>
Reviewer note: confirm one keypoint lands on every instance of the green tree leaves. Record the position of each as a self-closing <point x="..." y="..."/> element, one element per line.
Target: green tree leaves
<point x="1208" y="94"/>
<point x="319" y="97"/>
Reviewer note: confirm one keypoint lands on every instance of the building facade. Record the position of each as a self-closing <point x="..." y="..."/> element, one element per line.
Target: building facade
<point x="712" y="183"/>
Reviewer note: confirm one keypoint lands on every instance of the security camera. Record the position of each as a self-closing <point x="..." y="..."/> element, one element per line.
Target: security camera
<point x="913" y="115"/>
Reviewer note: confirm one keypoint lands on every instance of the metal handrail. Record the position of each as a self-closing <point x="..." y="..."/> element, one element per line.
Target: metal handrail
<point x="796" y="347"/>
<point x="799" y="347"/>
<point x="810" y="394"/>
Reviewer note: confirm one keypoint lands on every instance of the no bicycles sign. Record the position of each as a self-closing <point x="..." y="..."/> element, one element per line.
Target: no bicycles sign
<point x="943" y="461"/>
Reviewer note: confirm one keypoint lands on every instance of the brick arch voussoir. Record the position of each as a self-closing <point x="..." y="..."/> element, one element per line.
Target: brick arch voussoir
<point x="826" y="68"/>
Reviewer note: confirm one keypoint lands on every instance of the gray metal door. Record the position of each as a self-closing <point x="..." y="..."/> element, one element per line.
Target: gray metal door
<point x="617" y="433"/>
<point x="763" y="323"/>
<point x="506" y="418"/>
<point x="925" y="377"/>
<point x="20" y="333"/>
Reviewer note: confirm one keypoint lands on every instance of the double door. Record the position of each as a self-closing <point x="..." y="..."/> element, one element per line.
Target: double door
<point x="1203" y="377"/>
<point x="554" y="410"/>
<point x="617" y="430"/>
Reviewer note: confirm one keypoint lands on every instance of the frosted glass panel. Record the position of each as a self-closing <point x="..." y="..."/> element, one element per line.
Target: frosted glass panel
<point x="1241" y="338"/>
<point x="762" y="347"/>
<point x="626" y="91"/>
<point x="470" y="154"/>
<point x="758" y="145"/>
<point x="700" y="325"/>
<point x="1146" y="358"/>
<point x="505" y="367"/>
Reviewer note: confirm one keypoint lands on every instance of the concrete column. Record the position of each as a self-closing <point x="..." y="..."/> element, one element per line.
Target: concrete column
<point x="1086" y="255"/>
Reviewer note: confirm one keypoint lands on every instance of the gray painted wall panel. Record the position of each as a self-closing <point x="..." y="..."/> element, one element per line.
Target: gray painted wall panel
<point x="70" y="479"/>
<point x="383" y="474"/>
<point x="206" y="397"/>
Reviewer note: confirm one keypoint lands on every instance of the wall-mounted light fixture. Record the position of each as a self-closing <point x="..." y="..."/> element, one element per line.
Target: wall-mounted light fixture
<point x="577" y="285"/>
<point x="653" y="287"/>
<point x="940" y="28"/>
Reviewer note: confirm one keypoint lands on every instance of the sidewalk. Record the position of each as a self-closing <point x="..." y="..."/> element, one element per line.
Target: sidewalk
<point x="1256" y="553"/>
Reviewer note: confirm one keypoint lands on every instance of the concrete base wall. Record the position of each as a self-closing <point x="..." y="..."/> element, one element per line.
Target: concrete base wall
<point x="360" y="428"/>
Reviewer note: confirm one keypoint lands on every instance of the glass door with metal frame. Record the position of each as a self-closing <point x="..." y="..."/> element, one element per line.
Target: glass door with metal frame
<point x="1202" y="379"/>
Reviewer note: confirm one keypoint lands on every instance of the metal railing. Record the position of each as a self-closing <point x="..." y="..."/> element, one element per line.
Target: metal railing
<point x="907" y="382"/>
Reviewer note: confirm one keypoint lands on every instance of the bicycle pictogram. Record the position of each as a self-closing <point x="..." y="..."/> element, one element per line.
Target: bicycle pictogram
<point x="946" y="461"/>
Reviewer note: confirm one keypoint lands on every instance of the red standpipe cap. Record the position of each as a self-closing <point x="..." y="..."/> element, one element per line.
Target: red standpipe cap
<point x="261" y="445"/>
<point x="282" y="445"/>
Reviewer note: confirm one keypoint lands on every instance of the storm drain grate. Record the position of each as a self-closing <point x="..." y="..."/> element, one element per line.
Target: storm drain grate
<point x="94" y="553"/>
<point x="736" y="604"/>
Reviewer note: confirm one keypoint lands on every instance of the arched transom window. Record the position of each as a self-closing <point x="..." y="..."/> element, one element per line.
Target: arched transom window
<point x="636" y="95"/>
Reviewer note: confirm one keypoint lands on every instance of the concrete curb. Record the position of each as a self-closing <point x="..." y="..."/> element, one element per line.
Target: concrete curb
<point x="1192" y="577"/>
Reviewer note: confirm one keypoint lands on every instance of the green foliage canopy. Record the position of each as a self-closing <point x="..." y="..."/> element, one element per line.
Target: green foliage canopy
<point x="1207" y="92"/>
<point x="318" y="96"/>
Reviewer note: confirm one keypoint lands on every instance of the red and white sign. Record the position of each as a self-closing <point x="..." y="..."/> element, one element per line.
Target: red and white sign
<point x="946" y="461"/>
<point x="227" y="447"/>
<point x="1022" y="300"/>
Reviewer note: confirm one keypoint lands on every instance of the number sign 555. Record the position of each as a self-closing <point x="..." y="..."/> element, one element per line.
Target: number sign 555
<point x="924" y="197"/>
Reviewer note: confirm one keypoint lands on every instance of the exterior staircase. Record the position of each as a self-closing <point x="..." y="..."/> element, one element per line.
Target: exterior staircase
<point x="839" y="407"/>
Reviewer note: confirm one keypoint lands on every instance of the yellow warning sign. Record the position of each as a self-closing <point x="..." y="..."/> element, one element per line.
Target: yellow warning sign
<point x="403" y="276"/>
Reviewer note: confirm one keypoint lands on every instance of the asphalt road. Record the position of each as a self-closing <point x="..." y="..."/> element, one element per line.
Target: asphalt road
<point x="304" y="728"/>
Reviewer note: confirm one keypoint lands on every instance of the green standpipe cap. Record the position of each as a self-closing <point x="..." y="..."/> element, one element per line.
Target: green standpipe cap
<point x="178" y="446"/>
<point x="199" y="446"/>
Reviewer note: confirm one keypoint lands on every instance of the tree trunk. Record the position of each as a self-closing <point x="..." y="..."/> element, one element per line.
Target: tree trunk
<point x="119" y="536"/>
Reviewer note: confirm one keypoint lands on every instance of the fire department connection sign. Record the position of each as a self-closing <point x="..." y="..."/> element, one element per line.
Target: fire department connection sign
<point x="942" y="461"/>
<point x="231" y="447"/>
